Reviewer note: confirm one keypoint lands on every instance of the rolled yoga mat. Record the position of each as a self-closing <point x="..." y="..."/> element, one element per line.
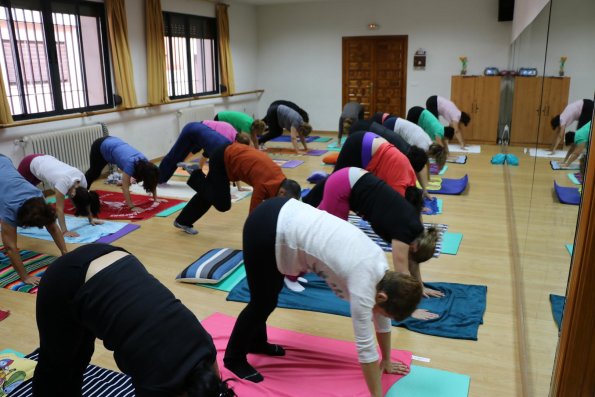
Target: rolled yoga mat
<point x="567" y="195"/>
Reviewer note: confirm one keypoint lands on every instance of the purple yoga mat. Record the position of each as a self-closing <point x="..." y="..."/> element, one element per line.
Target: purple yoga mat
<point x="287" y="138"/>
<point x="316" y="152"/>
<point x="110" y="238"/>
<point x="452" y="186"/>
<point x="292" y="164"/>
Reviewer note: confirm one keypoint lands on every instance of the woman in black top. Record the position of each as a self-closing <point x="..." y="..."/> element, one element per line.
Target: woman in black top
<point x="101" y="291"/>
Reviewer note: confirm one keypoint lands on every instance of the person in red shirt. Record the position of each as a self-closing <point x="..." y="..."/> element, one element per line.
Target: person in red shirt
<point x="232" y="163"/>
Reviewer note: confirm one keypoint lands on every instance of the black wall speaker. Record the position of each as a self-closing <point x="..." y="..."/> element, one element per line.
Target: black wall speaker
<point x="505" y="10"/>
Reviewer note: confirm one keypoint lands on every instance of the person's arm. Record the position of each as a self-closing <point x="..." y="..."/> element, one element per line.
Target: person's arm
<point x="294" y="134"/>
<point x="559" y="136"/>
<point x="9" y="239"/>
<point x="578" y="149"/>
<point x="400" y="256"/>
<point x="254" y="139"/>
<point x="386" y="364"/>
<point x="459" y="135"/>
<point x="422" y="177"/>
<point x="569" y="152"/>
<point x="57" y="236"/>
<point x="60" y="214"/>
<point x="372" y="376"/>
<point x="126" y="192"/>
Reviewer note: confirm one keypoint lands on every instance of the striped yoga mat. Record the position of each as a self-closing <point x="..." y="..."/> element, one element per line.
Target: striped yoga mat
<point x="97" y="382"/>
<point x="35" y="264"/>
<point x="365" y="227"/>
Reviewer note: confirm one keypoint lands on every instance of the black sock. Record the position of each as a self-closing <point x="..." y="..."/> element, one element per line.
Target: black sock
<point x="268" y="349"/>
<point x="245" y="371"/>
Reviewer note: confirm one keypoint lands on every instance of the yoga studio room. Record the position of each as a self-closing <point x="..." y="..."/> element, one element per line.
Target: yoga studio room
<point x="297" y="198"/>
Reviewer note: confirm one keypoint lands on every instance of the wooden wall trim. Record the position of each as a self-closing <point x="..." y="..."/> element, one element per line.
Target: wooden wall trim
<point x="574" y="369"/>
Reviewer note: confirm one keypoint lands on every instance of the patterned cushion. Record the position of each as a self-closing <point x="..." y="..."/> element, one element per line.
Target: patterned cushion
<point x="212" y="267"/>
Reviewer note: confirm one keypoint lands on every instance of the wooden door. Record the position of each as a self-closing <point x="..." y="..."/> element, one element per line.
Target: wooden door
<point x="462" y="93"/>
<point x="375" y="73"/>
<point x="555" y="99"/>
<point x="526" y="110"/>
<point x="487" y="109"/>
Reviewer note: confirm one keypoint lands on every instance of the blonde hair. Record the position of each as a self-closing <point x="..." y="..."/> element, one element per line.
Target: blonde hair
<point x="439" y="154"/>
<point x="257" y="127"/>
<point x="426" y="245"/>
<point x="242" y="138"/>
<point x="305" y="129"/>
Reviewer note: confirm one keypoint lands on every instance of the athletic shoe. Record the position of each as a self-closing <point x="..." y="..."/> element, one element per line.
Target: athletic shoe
<point x="189" y="167"/>
<point x="187" y="229"/>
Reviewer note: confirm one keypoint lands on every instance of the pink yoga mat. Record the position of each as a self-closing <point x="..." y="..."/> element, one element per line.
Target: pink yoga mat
<point x="313" y="366"/>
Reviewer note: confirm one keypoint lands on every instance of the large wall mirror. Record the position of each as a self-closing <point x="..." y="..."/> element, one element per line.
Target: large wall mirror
<point x="543" y="228"/>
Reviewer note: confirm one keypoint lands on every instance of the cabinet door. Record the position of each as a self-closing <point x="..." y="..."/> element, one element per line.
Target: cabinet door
<point x="487" y="109"/>
<point x="555" y="94"/>
<point x="462" y="93"/>
<point x="526" y="110"/>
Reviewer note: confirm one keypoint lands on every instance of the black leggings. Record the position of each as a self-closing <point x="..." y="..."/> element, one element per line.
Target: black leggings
<point x="211" y="190"/>
<point x="414" y="114"/>
<point x="96" y="162"/>
<point x="432" y="105"/>
<point x="586" y="113"/>
<point x="264" y="280"/>
<point x="272" y="121"/>
<point x="66" y="346"/>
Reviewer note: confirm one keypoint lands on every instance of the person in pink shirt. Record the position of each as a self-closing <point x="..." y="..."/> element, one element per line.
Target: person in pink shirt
<point x="580" y="111"/>
<point x="440" y="106"/>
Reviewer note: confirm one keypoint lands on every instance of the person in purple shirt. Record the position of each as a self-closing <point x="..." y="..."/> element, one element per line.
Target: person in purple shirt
<point x="134" y="164"/>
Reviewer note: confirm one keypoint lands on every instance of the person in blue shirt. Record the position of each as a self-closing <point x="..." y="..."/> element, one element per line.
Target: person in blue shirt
<point x="22" y="204"/>
<point x="134" y="164"/>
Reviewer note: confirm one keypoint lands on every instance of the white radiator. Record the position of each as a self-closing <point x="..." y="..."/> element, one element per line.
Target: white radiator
<point x="197" y="113"/>
<point x="71" y="146"/>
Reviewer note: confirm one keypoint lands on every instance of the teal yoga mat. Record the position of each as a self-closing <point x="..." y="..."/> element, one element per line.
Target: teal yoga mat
<point x="10" y="351"/>
<point x="171" y="210"/>
<point x="570" y="248"/>
<point x="322" y="139"/>
<point x="573" y="179"/>
<point x="451" y="243"/>
<point x="429" y="382"/>
<point x="229" y="282"/>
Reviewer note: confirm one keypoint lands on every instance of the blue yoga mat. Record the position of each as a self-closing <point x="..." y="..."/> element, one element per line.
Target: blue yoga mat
<point x="88" y="233"/>
<point x="567" y="195"/>
<point x="461" y="310"/>
<point x="287" y="138"/>
<point x="434" y="206"/>
<point x="558" y="303"/>
<point x="570" y="248"/>
<point x="452" y="186"/>
<point x="430" y="382"/>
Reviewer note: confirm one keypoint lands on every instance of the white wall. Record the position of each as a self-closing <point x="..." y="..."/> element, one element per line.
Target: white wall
<point x="300" y="47"/>
<point x="153" y="130"/>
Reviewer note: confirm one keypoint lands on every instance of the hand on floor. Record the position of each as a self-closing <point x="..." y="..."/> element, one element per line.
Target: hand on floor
<point x="394" y="368"/>
<point x="71" y="234"/>
<point x="31" y="280"/>
<point x="432" y="293"/>
<point x="423" y="314"/>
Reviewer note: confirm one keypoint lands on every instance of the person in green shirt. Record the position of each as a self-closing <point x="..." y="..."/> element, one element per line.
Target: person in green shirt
<point x="243" y="123"/>
<point x="431" y="125"/>
<point x="577" y="141"/>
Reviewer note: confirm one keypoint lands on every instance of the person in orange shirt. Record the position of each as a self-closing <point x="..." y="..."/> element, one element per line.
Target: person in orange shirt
<point x="232" y="163"/>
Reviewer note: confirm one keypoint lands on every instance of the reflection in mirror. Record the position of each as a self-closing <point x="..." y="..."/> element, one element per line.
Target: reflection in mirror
<point x="545" y="227"/>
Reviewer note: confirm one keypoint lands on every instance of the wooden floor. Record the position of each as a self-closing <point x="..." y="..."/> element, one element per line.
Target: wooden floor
<point x="514" y="235"/>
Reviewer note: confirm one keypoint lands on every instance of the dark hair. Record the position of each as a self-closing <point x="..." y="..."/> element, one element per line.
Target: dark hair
<point x="465" y="118"/>
<point x="555" y="122"/>
<point x="404" y="293"/>
<point x="449" y="132"/>
<point x="292" y="189"/>
<point x="36" y="212"/>
<point x="203" y="381"/>
<point x="417" y="157"/>
<point x="439" y="154"/>
<point x="257" y="126"/>
<point x="85" y="202"/>
<point x="147" y="173"/>
<point x="569" y="138"/>
<point x="415" y="197"/>
<point x="347" y="123"/>
<point x="242" y="138"/>
<point x="305" y="129"/>
<point x="426" y="245"/>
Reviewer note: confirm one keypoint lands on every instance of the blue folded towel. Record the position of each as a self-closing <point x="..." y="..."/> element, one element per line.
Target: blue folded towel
<point x="461" y="310"/>
<point x="558" y="303"/>
<point x="432" y="206"/>
<point x="511" y="159"/>
<point x="499" y="158"/>
<point x="317" y="176"/>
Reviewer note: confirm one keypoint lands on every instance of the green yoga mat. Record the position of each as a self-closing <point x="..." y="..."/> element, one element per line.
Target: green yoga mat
<point x="573" y="179"/>
<point x="230" y="281"/>
<point x="451" y="243"/>
<point x="10" y="351"/>
<point x="50" y="200"/>
<point x="171" y="210"/>
<point x="322" y="139"/>
<point x="570" y="248"/>
<point x="429" y="382"/>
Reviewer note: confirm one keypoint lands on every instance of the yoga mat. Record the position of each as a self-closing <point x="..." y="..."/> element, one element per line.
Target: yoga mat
<point x="429" y="382"/>
<point x="461" y="310"/>
<point x="316" y="152"/>
<point x="434" y="169"/>
<point x="10" y="351"/>
<point x="291" y="152"/>
<point x="458" y="160"/>
<point x="455" y="148"/>
<point x="576" y="178"/>
<point x="114" y="207"/>
<point x="558" y="303"/>
<point x="175" y="189"/>
<point x="567" y="195"/>
<point x="452" y="186"/>
<point x="35" y="264"/>
<point x="451" y="243"/>
<point x="557" y="167"/>
<point x="545" y="153"/>
<point x="305" y="192"/>
<point x="97" y="381"/>
<point x="229" y="282"/>
<point x="433" y="207"/>
<point x="323" y="139"/>
<point x="570" y="248"/>
<point x="171" y="210"/>
<point x="288" y="163"/>
<point x="312" y="366"/>
<point x="51" y="200"/>
<point x="287" y="138"/>
<point x="334" y="146"/>
<point x="129" y="228"/>
<point x="88" y="233"/>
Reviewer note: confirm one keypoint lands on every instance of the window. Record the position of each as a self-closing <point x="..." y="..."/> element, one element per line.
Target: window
<point x="191" y="54"/>
<point x="54" y="57"/>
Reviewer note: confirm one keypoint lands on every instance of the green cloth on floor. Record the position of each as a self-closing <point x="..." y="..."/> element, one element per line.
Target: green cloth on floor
<point x="10" y="351"/>
<point x="573" y="179"/>
<point x="230" y="281"/>
<point x="50" y="200"/>
<point x="570" y="248"/>
<point x="451" y="243"/>
<point x="429" y="382"/>
<point x="171" y="210"/>
<point x="322" y="139"/>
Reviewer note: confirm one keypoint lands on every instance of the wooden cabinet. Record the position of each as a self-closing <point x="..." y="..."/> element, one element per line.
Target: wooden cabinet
<point x="536" y="101"/>
<point x="479" y="96"/>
